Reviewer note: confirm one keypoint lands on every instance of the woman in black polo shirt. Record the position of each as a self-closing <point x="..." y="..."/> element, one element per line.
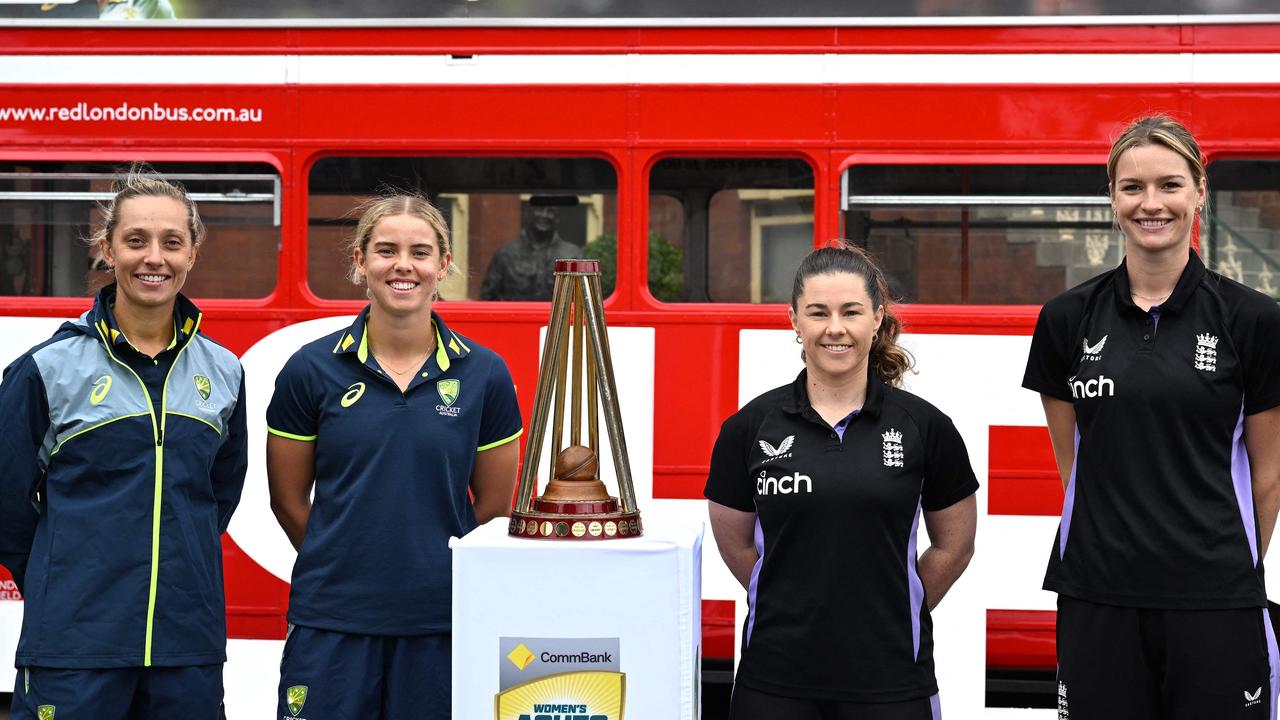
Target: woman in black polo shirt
<point x="1161" y="386"/>
<point x="816" y="491"/>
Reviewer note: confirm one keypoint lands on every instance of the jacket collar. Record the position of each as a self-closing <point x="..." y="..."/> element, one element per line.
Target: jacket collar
<point x="101" y="319"/>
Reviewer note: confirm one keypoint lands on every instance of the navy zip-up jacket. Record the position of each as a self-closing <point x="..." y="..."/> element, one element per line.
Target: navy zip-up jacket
<point x="118" y="474"/>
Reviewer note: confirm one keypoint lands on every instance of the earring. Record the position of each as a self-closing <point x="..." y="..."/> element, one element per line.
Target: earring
<point x="873" y="337"/>
<point x="798" y="340"/>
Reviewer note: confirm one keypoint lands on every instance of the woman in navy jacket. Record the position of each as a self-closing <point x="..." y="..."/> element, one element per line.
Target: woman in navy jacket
<point x="123" y="443"/>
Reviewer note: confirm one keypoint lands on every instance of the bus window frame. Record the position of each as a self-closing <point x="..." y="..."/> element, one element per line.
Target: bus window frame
<point x="816" y="158"/>
<point x="63" y="306"/>
<point x="519" y="309"/>
<point x="1265" y="153"/>
<point x="940" y="317"/>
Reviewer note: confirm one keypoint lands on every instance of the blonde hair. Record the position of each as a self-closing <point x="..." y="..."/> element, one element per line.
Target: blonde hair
<point x="887" y="359"/>
<point x="378" y="209"/>
<point x="141" y="181"/>
<point x="1157" y="130"/>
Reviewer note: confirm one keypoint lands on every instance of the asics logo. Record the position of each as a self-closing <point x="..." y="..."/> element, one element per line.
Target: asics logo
<point x="101" y="387"/>
<point x="353" y="394"/>
<point x="1093" y="388"/>
<point x="785" y="485"/>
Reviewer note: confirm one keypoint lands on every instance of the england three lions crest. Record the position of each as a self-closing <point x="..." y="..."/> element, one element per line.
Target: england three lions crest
<point x="892" y="448"/>
<point x="1206" y="357"/>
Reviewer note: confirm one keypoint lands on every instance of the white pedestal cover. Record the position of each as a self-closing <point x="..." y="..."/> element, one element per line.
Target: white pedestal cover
<point x="600" y="608"/>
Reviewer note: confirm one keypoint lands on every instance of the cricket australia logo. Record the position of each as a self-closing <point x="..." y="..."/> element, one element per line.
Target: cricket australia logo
<point x="45" y="712"/>
<point x="296" y="697"/>
<point x="1207" y="352"/>
<point x="892" y="448"/>
<point x="448" y="391"/>
<point x="772" y="453"/>
<point x="204" y="388"/>
<point x="1094" y="352"/>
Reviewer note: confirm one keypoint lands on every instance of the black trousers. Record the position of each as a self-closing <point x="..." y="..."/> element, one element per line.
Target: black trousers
<point x="1139" y="663"/>
<point x="748" y="704"/>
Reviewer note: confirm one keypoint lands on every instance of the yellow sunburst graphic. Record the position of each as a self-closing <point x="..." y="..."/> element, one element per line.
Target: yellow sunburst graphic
<point x="604" y="693"/>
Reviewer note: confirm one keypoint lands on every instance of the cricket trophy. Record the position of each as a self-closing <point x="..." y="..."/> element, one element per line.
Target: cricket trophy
<point x="575" y="505"/>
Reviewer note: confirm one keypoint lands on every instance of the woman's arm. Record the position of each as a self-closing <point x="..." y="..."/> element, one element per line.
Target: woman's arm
<point x="735" y="534"/>
<point x="1262" y="443"/>
<point x="1061" y="416"/>
<point x="291" y="466"/>
<point x="951" y="532"/>
<point x="493" y="481"/>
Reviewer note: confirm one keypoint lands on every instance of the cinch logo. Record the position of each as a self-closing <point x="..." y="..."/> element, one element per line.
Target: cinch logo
<point x="785" y="485"/>
<point x="353" y="394"/>
<point x="101" y="387"/>
<point x="772" y="453"/>
<point x="1094" y="352"/>
<point x="1092" y="388"/>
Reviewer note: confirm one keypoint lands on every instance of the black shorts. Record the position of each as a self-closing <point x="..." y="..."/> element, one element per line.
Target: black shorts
<point x="748" y="704"/>
<point x="1139" y="663"/>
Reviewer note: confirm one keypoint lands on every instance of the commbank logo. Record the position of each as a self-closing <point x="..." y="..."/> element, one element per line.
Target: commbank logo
<point x="353" y="394"/>
<point x="521" y="656"/>
<point x="1092" y="388"/>
<point x="785" y="485"/>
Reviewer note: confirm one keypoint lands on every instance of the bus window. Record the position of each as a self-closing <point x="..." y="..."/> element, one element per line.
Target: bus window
<point x="509" y="218"/>
<point x="728" y="229"/>
<point x="1240" y="236"/>
<point x="48" y="210"/>
<point x="982" y="234"/>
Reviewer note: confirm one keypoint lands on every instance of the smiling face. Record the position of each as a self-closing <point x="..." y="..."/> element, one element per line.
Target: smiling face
<point x="151" y="250"/>
<point x="835" y="318"/>
<point x="1155" y="199"/>
<point x="402" y="264"/>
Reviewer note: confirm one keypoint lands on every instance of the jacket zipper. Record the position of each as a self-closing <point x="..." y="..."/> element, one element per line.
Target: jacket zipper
<point x="157" y="432"/>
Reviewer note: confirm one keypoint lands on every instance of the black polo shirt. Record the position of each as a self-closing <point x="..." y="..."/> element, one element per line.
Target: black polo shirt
<point x="1159" y="510"/>
<point x="837" y="609"/>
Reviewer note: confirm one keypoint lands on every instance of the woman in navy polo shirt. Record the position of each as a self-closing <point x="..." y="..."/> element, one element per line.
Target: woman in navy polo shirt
<point x="816" y="492"/>
<point x="1161" y="386"/>
<point x="394" y="421"/>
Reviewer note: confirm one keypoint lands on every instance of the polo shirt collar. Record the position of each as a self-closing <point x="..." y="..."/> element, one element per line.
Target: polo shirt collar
<point x="1182" y="291"/>
<point x="102" y="317"/>
<point x="798" y="401"/>
<point x="449" y="345"/>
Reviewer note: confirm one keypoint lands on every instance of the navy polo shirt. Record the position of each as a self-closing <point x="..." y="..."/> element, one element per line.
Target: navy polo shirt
<point x="837" y="607"/>
<point x="392" y="473"/>
<point x="1159" y="508"/>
